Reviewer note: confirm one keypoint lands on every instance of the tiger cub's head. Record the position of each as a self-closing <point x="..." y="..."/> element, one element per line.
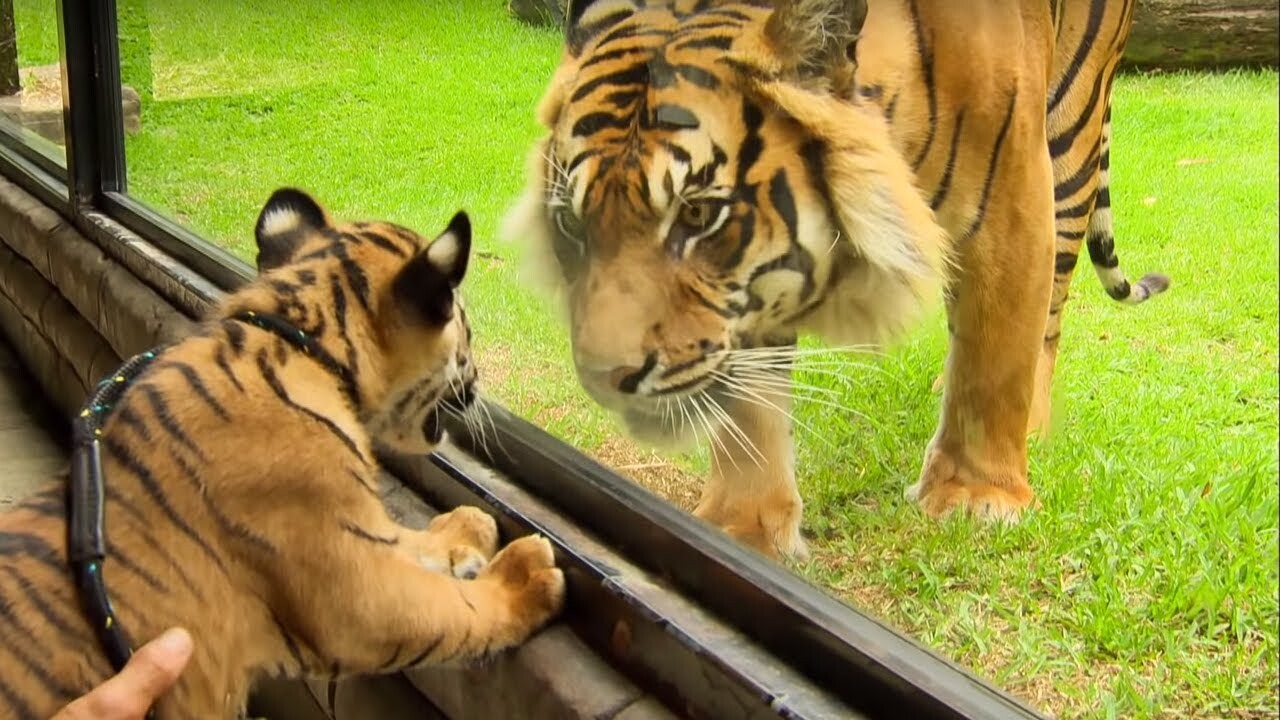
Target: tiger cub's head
<point x="382" y="302"/>
<point x="709" y="182"/>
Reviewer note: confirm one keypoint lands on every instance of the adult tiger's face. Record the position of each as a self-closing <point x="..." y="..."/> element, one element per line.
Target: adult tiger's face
<point x="685" y="210"/>
<point x="384" y="302"/>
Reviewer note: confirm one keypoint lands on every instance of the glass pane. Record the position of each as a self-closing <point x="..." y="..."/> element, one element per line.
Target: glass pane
<point x="409" y="110"/>
<point x="31" y="77"/>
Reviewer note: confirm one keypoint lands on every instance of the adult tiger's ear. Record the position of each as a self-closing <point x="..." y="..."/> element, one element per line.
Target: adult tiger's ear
<point x="584" y="19"/>
<point x="289" y="216"/>
<point x="810" y="37"/>
<point x="424" y="287"/>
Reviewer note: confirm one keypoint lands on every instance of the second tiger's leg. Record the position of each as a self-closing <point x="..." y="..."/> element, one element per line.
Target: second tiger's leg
<point x="977" y="460"/>
<point x="751" y="492"/>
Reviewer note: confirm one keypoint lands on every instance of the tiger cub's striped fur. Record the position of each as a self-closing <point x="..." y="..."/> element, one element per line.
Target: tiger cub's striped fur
<point x="719" y="176"/>
<point x="241" y="489"/>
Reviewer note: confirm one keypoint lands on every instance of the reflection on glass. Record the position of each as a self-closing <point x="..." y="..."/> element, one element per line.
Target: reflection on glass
<point x="411" y="109"/>
<point x="30" y="76"/>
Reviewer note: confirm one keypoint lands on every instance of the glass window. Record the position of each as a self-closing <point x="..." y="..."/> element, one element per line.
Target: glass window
<point x="31" y="81"/>
<point x="409" y="110"/>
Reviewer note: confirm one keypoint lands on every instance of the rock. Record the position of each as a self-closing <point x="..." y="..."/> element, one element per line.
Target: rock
<point x="38" y="107"/>
<point x="542" y="13"/>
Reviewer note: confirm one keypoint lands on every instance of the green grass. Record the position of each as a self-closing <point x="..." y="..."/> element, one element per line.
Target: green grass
<point x="1146" y="585"/>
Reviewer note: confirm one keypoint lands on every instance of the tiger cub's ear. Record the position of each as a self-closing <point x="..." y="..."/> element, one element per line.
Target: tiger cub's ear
<point x="584" y="19"/>
<point x="289" y="216"/>
<point x="424" y="287"/>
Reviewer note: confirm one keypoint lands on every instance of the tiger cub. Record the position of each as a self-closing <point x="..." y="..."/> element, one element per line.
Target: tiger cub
<point x="241" y="488"/>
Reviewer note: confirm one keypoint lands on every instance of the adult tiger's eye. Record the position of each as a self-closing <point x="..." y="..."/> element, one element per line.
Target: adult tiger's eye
<point x="568" y="224"/>
<point x="696" y="215"/>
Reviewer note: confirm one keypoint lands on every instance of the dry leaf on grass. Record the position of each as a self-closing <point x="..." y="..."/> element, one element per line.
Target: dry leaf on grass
<point x="1193" y="161"/>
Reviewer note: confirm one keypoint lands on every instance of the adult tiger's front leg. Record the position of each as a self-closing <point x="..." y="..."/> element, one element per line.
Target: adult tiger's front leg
<point x="751" y="492"/>
<point x="977" y="460"/>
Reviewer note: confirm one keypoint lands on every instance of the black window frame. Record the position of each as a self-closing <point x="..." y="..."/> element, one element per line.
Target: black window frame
<point x="845" y="651"/>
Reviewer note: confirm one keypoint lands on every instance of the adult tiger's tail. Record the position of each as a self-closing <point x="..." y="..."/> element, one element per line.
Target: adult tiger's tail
<point x="1101" y="240"/>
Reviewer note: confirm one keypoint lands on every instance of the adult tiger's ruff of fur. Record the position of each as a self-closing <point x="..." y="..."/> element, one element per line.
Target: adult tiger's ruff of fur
<point x="719" y="176"/>
<point x="241" y="490"/>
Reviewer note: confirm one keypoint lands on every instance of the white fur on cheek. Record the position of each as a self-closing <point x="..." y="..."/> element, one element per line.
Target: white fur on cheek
<point x="280" y="220"/>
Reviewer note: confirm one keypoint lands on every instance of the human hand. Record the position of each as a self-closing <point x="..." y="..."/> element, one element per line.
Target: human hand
<point x="152" y="670"/>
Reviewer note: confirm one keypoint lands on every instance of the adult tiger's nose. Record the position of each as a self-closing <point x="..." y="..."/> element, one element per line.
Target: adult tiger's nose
<point x="623" y="379"/>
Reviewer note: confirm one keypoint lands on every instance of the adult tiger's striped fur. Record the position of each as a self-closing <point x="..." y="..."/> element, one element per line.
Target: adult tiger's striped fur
<point x="241" y="489"/>
<point x="719" y="176"/>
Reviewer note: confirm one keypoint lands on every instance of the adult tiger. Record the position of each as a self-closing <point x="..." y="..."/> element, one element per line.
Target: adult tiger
<point x="719" y="176"/>
<point x="241" y="495"/>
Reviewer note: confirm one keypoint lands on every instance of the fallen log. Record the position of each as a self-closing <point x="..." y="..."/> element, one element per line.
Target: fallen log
<point x="1195" y="34"/>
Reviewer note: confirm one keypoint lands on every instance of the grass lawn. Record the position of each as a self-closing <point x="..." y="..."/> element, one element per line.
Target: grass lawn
<point x="1146" y="585"/>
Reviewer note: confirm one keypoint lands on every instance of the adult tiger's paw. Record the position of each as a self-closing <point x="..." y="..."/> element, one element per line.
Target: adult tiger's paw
<point x="948" y="484"/>
<point x="462" y="542"/>
<point x="532" y="586"/>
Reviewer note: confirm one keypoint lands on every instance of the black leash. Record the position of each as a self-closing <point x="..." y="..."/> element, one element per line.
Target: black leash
<point x="305" y="343"/>
<point x="86" y="546"/>
<point x="86" y="531"/>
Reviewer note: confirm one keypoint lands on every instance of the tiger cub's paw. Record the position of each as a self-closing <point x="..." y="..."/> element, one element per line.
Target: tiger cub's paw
<point x="462" y="542"/>
<point x="534" y="587"/>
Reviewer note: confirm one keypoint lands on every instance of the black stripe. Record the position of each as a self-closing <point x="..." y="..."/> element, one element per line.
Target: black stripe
<point x="707" y="303"/>
<point x="630" y="76"/>
<point x="220" y="357"/>
<point x="366" y="535"/>
<point x="235" y="335"/>
<point x="1072" y="185"/>
<point x="1102" y="251"/>
<point x="289" y="643"/>
<point x="356" y="279"/>
<point x="36" y="668"/>
<point x="925" y="54"/>
<point x="51" y="504"/>
<point x="44" y="604"/>
<point x="462" y="644"/>
<point x="615" y="54"/>
<point x="715" y="42"/>
<point x="382" y="242"/>
<point x="752" y="146"/>
<point x="595" y="122"/>
<point x="1075" y="211"/>
<point x="1065" y="262"/>
<point x="784" y="203"/>
<point x="1059" y="145"/>
<point x="131" y="463"/>
<point x="170" y="424"/>
<point x="273" y="381"/>
<point x="35" y="547"/>
<point x="1096" y="10"/>
<point x="153" y="582"/>
<point x="364" y="483"/>
<point x="991" y="169"/>
<point x="17" y="704"/>
<point x="197" y="384"/>
<point x="350" y="378"/>
<point x="229" y="526"/>
<point x="390" y="663"/>
<point x="944" y="185"/>
<point x="422" y="656"/>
